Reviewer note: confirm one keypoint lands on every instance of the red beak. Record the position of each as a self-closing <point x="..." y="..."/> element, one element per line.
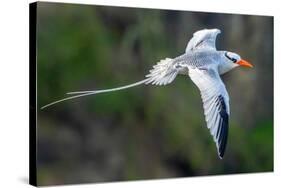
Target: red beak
<point x="244" y="63"/>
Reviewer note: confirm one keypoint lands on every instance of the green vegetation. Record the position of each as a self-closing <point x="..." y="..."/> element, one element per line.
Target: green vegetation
<point x="145" y="132"/>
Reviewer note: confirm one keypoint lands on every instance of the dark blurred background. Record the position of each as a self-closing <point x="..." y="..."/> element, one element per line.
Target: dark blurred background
<point x="145" y="132"/>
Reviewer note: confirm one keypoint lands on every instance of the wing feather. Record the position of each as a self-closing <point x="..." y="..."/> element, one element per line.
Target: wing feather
<point x="215" y="103"/>
<point x="203" y="39"/>
<point x="164" y="72"/>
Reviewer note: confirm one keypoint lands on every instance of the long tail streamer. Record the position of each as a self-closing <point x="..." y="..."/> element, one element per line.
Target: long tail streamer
<point x="87" y="93"/>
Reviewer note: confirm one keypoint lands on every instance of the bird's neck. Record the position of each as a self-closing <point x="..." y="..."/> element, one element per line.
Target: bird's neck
<point x="225" y="66"/>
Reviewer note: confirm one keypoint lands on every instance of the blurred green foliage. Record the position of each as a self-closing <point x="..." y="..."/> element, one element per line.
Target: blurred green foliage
<point x="145" y="132"/>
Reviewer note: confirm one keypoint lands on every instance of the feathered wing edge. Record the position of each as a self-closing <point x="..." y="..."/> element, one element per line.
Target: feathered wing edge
<point x="205" y="38"/>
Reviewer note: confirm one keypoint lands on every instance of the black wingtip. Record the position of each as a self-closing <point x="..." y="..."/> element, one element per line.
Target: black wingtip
<point x="224" y="135"/>
<point x="221" y="155"/>
<point x="222" y="139"/>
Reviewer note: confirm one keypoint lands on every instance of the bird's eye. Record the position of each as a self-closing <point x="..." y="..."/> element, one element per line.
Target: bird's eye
<point x="230" y="58"/>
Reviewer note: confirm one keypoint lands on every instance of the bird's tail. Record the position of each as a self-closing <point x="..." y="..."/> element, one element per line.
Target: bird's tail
<point x="78" y="94"/>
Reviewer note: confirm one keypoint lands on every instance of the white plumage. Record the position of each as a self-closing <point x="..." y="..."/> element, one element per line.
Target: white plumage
<point x="204" y="65"/>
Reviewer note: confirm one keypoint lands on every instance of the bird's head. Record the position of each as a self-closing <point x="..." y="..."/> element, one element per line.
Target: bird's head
<point x="236" y="60"/>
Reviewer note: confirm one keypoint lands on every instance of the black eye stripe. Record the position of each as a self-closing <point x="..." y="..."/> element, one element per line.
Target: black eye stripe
<point x="230" y="58"/>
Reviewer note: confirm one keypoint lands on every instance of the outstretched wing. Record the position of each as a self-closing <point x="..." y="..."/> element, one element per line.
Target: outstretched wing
<point x="216" y="104"/>
<point x="164" y="72"/>
<point x="203" y="39"/>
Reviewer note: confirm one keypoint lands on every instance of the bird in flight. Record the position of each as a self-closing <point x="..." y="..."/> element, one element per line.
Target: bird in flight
<point x="204" y="64"/>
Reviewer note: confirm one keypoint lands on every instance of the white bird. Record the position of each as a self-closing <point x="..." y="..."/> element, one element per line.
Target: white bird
<point x="204" y="64"/>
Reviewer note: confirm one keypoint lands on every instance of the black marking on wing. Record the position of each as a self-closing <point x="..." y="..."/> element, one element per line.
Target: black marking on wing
<point x="222" y="131"/>
<point x="197" y="45"/>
